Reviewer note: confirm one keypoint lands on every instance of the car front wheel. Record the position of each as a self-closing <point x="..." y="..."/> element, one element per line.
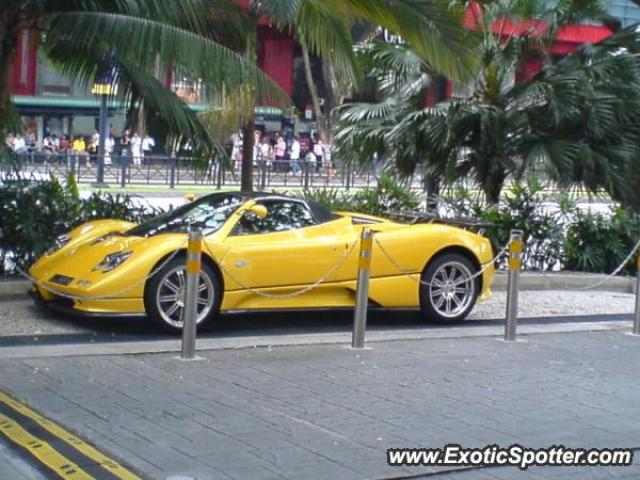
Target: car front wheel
<point x="165" y="292"/>
<point x="447" y="292"/>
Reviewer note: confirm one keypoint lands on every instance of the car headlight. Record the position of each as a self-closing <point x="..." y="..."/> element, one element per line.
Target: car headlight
<point x="112" y="261"/>
<point x="60" y="242"/>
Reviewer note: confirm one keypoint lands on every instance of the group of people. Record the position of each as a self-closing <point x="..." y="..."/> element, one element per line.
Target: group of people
<point x="284" y="154"/>
<point x="128" y="144"/>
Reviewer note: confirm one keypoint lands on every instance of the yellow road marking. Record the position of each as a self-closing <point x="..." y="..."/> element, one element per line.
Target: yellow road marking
<point x="87" y="450"/>
<point x="40" y="449"/>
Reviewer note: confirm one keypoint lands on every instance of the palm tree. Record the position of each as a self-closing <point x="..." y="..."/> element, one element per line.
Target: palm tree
<point x="134" y="37"/>
<point x="207" y="39"/>
<point x="583" y="118"/>
<point x="387" y="128"/>
<point x="323" y="28"/>
<point x="480" y="134"/>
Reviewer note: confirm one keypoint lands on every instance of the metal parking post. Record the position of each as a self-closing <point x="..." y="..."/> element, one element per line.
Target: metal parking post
<point x="362" y="289"/>
<point x="263" y="174"/>
<point x="515" y="263"/>
<point x="636" y="318"/>
<point x="220" y="174"/>
<point x="306" y="174"/>
<point x="190" y="310"/>
<point x="123" y="171"/>
<point x="173" y="163"/>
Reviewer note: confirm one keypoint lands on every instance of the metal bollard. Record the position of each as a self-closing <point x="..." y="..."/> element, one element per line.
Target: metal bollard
<point x="190" y="310"/>
<point x="636" y="318"/>
<point x="515" y="262"/>
<point x="173" y="163"/>
<point x="307" y="169"/>
<point x="362" y="290"/>
<point x="123" y="172"/>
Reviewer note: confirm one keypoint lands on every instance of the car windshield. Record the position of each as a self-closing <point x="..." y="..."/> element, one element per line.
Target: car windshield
<point x="208" y="213"/>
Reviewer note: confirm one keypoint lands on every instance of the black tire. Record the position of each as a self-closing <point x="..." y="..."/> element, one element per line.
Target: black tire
<point x="157" y="310"/>
<point x="451" y="290"/>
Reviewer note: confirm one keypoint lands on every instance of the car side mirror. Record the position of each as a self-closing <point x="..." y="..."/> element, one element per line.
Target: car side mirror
<point x="259" y="210"/>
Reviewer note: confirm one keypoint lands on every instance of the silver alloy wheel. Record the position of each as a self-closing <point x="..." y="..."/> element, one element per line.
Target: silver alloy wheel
<point x="171" y="291"/>
<point x="451" y="289"/>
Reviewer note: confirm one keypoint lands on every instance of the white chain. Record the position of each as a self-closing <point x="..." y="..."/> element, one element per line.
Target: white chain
<point x="602" y="280"/>
<point x="410" y="274"/>
<point x="297" y="292"/>
<point x="99" y="297"/>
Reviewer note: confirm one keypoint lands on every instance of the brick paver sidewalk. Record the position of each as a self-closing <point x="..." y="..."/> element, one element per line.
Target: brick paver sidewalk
<point x="328" y="412"/>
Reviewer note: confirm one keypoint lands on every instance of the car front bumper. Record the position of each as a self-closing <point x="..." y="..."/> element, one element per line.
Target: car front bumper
<point x="106" y="307"/>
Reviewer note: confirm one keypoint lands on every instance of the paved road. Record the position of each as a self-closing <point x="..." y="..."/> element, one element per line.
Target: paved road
<point x="330" y="412"/>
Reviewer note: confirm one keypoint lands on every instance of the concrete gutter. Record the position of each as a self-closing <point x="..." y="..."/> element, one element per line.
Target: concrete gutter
<point x="268" y="341"/>
<point x="10" y="289"/>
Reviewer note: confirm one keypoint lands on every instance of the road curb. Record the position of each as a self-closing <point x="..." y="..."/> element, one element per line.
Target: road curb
<point x="10" y="289"/>
<point x="342" y="339"/>
<point x="534" y="281"/>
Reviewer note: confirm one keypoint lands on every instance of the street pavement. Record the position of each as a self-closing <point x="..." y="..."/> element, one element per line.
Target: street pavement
<point x="329" y="412"/>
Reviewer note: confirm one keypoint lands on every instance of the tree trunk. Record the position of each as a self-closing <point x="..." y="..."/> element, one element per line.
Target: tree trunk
<point x="432" y="187"/>
<point x="248" y="139"/>
<point x="320" y="118"/>
<point x="492" y="189"/>
<point x="335" y="91"/>
<point x="7" y="49"/>
<point x="140" y="120"/>
<point x="249" y="124"/>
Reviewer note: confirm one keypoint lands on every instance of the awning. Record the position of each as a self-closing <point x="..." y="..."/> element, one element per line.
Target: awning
<point x="61" y="106"/>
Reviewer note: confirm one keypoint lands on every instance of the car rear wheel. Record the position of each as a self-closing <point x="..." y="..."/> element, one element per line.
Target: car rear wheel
<point x="448" y="293"/>
<point x="164" y="296"/>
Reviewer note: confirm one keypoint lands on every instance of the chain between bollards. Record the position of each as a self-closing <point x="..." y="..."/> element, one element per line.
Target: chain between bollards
<point x="190" y="310"/>
<point x="515" y="263"/>
<point x="362" y="290"/>
<point x="636" y="318"/>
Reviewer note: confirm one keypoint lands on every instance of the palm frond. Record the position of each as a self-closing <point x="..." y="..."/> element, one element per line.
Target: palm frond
<point x="433" y="29"/>
<point x="143" y="39"/>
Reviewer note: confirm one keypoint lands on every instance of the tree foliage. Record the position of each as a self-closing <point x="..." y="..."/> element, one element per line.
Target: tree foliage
<point x="137" y="38"/>
<point x="576" y="120"/>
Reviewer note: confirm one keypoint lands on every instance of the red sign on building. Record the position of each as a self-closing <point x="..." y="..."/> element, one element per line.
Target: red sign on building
<point x="24" y="64"/>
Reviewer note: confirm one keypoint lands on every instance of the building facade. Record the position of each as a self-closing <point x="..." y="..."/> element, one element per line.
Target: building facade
<point x="51" y="102"/>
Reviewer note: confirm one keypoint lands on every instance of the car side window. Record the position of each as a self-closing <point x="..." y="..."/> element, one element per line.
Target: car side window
<point x="281" y="217"/>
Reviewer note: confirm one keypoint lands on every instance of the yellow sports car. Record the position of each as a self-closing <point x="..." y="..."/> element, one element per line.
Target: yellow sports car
<point x="261" y="251"/>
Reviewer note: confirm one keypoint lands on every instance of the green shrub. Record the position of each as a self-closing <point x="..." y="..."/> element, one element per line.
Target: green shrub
<point x="599" y="243"/>
<point x="522" y="209"/>
<point x="34" y="214"/>
<point x="32" y="217"/>
<point x="335" y="199"/>
<point x="387" y="197"/>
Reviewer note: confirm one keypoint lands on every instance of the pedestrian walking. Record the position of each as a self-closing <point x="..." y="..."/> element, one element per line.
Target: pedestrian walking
<point x="80" y="149"/>
<point x="280" y="149"/>
<point x="318" y="151"/>
<point x="48" y="147"/>
<point x="266" y="151"/>
<point x="125" y="143"/>
<point x="109" y="144"/>
<point x="63" y="149"/>
<point x="148" y="144"/>
<point x="136" y="148"/>
<point x="294" y="155"/>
